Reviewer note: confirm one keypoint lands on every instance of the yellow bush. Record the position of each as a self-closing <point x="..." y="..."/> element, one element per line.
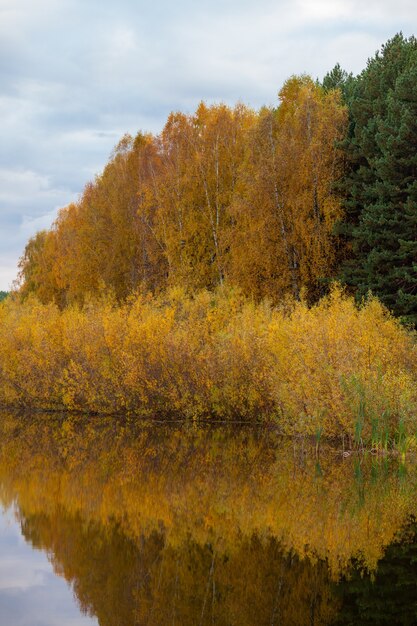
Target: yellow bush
<point x="333" y="369"/>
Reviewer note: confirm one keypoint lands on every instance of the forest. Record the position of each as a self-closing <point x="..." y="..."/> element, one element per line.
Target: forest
<point x="242" y="264"/>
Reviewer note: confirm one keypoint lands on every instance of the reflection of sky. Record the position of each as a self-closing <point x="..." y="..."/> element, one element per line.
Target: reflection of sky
<point x="30" y="593"/>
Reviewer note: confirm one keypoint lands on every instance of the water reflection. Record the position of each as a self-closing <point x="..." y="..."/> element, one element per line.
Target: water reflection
<point x="30" y="593"/>
<point x="159" y="524"/>
<point x="388" y="595"/>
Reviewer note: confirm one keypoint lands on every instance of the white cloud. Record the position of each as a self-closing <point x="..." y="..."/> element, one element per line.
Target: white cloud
<point x="322" y="9"/>
<point x="16" y="185"/>
<point x="355" y="11"/>
<point x="30" y="224"/>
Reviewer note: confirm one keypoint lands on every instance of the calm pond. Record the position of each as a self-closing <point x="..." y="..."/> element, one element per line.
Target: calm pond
<point x="109" y="523"/>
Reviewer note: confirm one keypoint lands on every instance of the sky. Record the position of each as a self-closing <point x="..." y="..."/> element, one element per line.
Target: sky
<point x="76" y="75"/>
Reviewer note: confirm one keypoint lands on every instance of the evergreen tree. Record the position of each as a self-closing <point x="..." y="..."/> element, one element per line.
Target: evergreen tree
<point x="338" y="78"/>
<point x="381" y="188"/>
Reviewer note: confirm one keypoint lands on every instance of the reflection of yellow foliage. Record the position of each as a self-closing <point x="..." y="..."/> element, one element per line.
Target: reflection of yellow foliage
<point x="212" y="485"/>
<point x="332" y="369"/>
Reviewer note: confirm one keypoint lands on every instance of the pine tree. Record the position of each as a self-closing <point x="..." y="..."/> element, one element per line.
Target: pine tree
<point x="381" y="187"/>
<point x="338" y="78"/>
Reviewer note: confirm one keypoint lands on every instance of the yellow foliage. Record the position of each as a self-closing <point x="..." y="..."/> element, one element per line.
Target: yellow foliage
<point x="206" y="486"/>
<point x="224" y="194"/>
<point x="332" y="369"/>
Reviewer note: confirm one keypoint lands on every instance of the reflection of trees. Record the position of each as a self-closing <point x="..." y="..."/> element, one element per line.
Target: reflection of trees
<point x="390" y="595"/>
<point x="105" y="568"/>
<point x="153" y="523"/>
<point x="146" y="581"/>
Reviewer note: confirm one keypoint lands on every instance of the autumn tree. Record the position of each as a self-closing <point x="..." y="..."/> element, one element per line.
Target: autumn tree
<point x="106" y="240"/>
<point x="37" y="268"/>
<point x="117" y="242"/>
<point x="201" y="155"/>
<point x="285" y="207"/>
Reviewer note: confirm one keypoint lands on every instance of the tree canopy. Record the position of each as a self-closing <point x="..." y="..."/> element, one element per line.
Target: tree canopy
<point x="277" y="202"/>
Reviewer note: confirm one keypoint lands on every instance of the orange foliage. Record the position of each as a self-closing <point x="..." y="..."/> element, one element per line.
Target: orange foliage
<point x="333" y="369"/>
<point x="223" y="194"/>
<point x="208" y="485"/>
<point x="285" y="206"/>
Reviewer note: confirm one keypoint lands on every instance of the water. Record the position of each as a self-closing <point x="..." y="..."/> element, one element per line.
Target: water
<point x="120" y="525"/>
<point x="31" y="594"/>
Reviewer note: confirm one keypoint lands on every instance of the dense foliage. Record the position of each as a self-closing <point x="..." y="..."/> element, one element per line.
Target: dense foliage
<point x="154" y="293"/>
<point x="225" y="194"/>
<point x="330" y="368"/>
<point x="255" y="198"/>
<point x="380" y="186"/>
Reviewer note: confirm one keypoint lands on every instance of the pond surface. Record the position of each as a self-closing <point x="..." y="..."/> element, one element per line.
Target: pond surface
<point x="110" y="523"/>
<point x="31" y="594"/>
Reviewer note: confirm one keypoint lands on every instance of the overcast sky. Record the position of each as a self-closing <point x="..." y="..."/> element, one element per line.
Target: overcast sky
<point x="75" y="75"/>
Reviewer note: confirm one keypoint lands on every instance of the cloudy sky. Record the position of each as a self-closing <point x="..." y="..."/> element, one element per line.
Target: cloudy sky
<point x="75" y="75"/>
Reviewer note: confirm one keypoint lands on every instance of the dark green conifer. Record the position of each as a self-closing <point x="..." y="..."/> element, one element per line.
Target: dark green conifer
<point x="380" y="188"/>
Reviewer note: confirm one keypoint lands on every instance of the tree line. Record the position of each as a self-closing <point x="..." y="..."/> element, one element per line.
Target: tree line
<point x="225" y="194"/>
<point x="277" y="201"/>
